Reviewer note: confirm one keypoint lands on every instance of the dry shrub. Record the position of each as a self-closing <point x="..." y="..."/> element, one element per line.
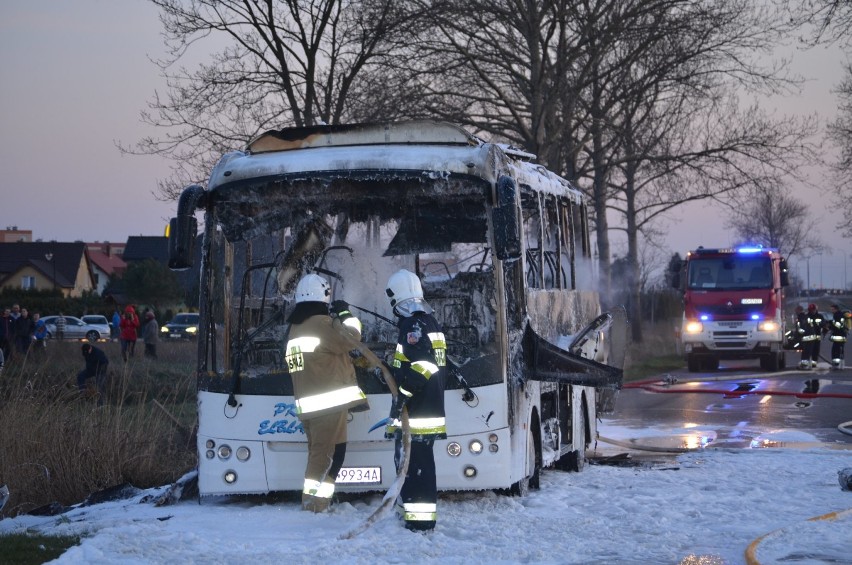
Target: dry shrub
<point x="60" y="446"/>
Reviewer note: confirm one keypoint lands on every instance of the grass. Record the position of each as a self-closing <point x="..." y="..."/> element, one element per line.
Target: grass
<point x="26" y="549"/>
<point x="60" y="446"/>
<point x="658" y="353"/>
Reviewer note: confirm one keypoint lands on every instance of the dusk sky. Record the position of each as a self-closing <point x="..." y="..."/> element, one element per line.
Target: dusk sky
<point x="75" y="74"/>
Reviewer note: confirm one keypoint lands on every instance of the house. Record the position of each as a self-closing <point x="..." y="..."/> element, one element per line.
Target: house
<point x="13" y="235"/>
<point x="46" y="265"/>
<point x="106" y="261"/>
<point x="141" y="247"/>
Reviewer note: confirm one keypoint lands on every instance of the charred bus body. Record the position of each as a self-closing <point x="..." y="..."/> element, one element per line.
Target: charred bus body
<point x="502" y="248"/>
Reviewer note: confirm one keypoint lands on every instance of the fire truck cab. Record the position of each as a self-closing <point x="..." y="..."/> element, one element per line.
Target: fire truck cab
<point x="733" y="306"/>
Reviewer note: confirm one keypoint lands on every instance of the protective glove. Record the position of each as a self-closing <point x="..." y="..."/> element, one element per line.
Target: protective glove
<point x="394" y="424"/>
<point x="338" y="307"/>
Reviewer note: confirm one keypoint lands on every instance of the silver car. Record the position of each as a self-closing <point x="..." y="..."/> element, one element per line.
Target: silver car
<point x="75" y="328"/>
<point x="98" y="322"/>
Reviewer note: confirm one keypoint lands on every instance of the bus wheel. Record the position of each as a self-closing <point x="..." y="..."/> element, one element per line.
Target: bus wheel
<point x="575" y="461"/>
<point x="533" y="478"/>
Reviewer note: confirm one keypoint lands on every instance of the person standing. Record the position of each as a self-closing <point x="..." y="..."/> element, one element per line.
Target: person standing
<point x="129" y="333"/>
<point x="324" y="383"/>
<point x="838" y="332"/>
<point x="60" y="324"/>
<point x="39" y="332"/>
<point x="6" y="335"/>
<point x="24" y="330"/>
<point x="115" y="327"/>
<point x="419" y="369"/>
<point x="96" y="367"/>
<point x="811" y="322"/>
<point x="150" y="335"/>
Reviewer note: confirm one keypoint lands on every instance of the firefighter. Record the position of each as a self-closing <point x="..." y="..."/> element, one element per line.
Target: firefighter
<point x="837" y="332"/>
<point x="419" y="369"/>
<point x="324" y="384"/>
<point x="810" y="325"/>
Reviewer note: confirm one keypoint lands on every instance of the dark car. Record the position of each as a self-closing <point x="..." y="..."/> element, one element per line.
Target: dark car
<point x="182" y="326"/>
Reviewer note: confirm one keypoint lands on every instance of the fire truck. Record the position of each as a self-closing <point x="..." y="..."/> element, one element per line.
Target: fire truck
<point x="733" y="306"/>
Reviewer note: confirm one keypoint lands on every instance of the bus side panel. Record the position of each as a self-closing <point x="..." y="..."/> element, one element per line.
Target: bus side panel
<point x="556" y="313"/>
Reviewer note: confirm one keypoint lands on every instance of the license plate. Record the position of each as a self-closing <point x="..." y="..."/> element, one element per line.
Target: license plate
<point x="360" y="476"/>
<point x="175" y="336"/>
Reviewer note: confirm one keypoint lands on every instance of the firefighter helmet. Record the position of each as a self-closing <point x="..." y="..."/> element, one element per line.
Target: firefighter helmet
<point x="812" y="307"/>
<point x="403" y="285"/>
<point x="313" y="288"/>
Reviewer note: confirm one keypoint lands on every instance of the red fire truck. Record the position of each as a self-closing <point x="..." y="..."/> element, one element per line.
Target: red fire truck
<point x="733" y="306"/>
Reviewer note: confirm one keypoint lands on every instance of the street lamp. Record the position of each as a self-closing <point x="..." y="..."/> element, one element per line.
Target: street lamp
<point x="49" y="257"/>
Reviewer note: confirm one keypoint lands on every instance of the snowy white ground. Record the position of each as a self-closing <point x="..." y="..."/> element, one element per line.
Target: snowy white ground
<point x="706" y="506"/>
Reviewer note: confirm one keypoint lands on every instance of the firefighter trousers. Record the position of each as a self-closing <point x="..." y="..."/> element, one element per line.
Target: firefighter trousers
<point x="326" y="446"/>
<point x="419" y="494"/>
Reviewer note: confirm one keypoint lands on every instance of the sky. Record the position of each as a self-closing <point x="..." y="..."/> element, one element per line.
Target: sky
<point x="75" y="75"/>
<point x="704" y="507"/>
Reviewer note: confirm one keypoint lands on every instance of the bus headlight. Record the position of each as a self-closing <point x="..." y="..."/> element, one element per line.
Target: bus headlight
<point x="470" y="472"/>
<point x="224" y="451"/>
<point x="243" y="453"/>
<point x="693" y="327"/>
<point x="475" y="447"/>
<point x="230" y="477"/>
<point x="454" y="449"/>
<point x="768" y="326"/>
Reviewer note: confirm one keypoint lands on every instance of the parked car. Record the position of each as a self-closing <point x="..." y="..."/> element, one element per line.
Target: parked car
<point x="75" y="328"/>
<point x="182" y="326"/>
<point x="100" y="322"/>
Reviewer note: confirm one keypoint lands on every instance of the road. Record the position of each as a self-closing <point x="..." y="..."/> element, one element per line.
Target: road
<point x="739" y="406"/>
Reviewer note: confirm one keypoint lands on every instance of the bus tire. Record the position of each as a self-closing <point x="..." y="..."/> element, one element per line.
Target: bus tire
<point x="575" y="461"/>
<point x="533" y="480"/>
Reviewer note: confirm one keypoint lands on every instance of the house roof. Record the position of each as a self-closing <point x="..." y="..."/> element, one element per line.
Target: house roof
<point x="65" y="257"/>
<point x="141" y="247"/>
<point x="109" y="264"/>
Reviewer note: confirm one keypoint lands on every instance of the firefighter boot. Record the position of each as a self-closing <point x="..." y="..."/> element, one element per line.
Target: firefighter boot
<point x="813" y="364"/>
<point x="315" y="504"/>
<point x="805" y="364"/>
<point x="835" y="364"/>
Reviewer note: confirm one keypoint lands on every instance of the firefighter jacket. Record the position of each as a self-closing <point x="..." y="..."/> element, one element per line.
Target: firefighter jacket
<point x="837" y="329"/>
<point x="810" y="325"/>
<point x="419" y="365"/>
<point x="317" y="356"/>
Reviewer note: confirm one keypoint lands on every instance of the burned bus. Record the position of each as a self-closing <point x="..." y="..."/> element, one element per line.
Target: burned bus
<point x="502" y="248"/>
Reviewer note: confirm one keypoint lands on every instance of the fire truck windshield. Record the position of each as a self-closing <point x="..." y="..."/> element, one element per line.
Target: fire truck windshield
<point x="734" y="272"/>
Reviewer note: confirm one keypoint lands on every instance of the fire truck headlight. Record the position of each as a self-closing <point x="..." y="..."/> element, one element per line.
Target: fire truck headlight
<point x="470" y="472"/>
<point x="454" y="449"/>
<point x="693" y="327"/>
<point x="768" y="326"/>
<point x="475" y="447"/>
<point x="230" y="477"/>
<point x="243" y="453"/>
<point x="224" y="451"/>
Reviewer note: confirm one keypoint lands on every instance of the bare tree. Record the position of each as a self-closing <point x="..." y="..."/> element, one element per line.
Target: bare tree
<point x="773" y="218"/>
<point x="292" y="63"/>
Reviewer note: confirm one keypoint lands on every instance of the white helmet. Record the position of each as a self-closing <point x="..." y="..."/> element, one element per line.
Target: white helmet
<point x="403" y="285"/>
<point x="313" y="288"/>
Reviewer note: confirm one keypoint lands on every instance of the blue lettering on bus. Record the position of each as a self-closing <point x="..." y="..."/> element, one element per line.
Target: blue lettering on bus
<point x="280" y="427"/>
<point x="286" y="409"/>
<point x="289" y="425"/>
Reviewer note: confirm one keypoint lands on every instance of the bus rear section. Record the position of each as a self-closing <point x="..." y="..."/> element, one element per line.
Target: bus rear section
<point x="501" y="247"/>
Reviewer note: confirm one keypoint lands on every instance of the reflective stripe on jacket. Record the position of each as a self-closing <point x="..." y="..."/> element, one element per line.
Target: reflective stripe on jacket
<point x="317" y="356"/>
<point x="419" y="368"/>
